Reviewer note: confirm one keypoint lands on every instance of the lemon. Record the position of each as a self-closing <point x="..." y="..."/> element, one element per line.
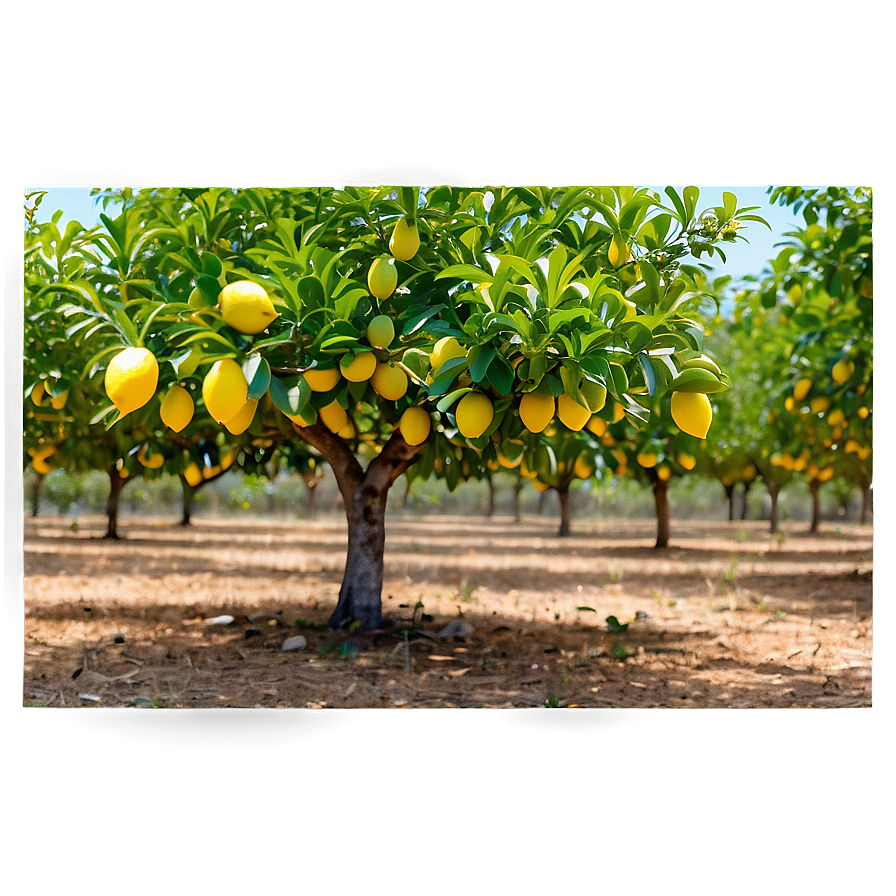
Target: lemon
<point x="571" y="413"/>
<point x="154" y="462"/>
<point x="246" y="307"/>
<point x="788" y="403"/>
<point x="322" y="380"/>
<point x="618" y="252"/>
<point x="539" y="486"/>
<point x="863" y="413"/>
<point x="618" y="412"/>
<point x="866" y="287"/>
<point x="298" y="419"/>
<point x="692" y="413"/>
<point x="537" y="410"/>
<point x="825" y="474"/>
<point x="37" y="394"/>
<point x="193" y="475"/>
<point x="836" y="417"/>
<point x="39" y="458"/>
<point x="799" y="465"/>
<point x="619" y="454"/>
<point x="647" y="459"/>
<point x="509" y="464"/>
<point x="360" y="368"/>
<point x="209" y="472"/>
<point x="749" y="472"/>
<point x="842" y="371"/>
<point x="381" y="331"/>
<point x="597" y="426"/>
<point x="686" y="461"/>
<point x="801" y="389"/>
<point x="405" y="240"/>
<point x="177" y="408"/>
<point x="347" y="432"/>
<point x="224" y="390"/>
<point x="582" y="468"/>
<point x="390" y="382"/>
<point x="334" y="416"/>
<point x="664" y="472"/>
<point x="414" y="426"/>
<point x="812" y="471"/>
<point x="228" y="459"/>
<point x="474" y="415"/>
<point x="607" y="440"/>
<point x="444" y="350"/>
<point x="131" y="379"/>
<point x="58" y="401"/>
<point x="819" y="405"/>
<point x="241" y="421"/>
<point x="382" y="278"/>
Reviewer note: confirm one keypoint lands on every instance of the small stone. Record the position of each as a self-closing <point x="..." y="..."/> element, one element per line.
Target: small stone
<point x="219" y="620"/>
<point x="457" y="628"/>
<point x="296" y="642"/>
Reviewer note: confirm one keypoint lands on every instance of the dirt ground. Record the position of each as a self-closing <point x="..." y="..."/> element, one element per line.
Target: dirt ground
<point x="728" y="616"/>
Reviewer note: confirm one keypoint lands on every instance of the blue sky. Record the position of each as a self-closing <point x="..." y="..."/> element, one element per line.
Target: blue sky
<point x="743" y="258"/>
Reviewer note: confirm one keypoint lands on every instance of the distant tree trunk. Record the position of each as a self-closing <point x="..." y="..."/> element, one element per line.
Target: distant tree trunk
<point x="565" y="526"/>
<point x="773" y="491"/>
<point x="116" y="484"/>
<point x="729" y="494"/>
<point x="35" y="494"/>
<point x="542" y="497"/>
<point x="311" y="483"/>
<point x="814" y="486"/>
<point x="517" y="488"/>
<point x="661" y="499"/>
<point x="743" y="509"/>
<point x="406" y="495"/>
<point x="188" y="501"/>
<point x="490" y="511"/>
<point x="866" y="504"/>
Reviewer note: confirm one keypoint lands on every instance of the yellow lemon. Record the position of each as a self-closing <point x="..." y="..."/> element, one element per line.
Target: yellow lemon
<point x="509" y="464"/>
<point x="228" y="459"/>
<point x="842" y="371"/>
<point x="347" y="432"/>
<point x="686" y="461"/>
<point x="298" y="419"/>
<point x="322" y="380"/>
<point x="334" y="416"/>
<point x="37" y="393"/>
<point x="618" y="412"/>
<point x="444" y="350"/>
<point x="414" y="426"/>
<point x="582" y="468"/>
<point x="607" y="440"/>
<point x="390" y="382"/>
<point x="787" y="462"/>
<point x="193" y="475"/>
<point x="539" y="486"/>
<point x="382" y="278"/>
<point x="801" y="389"/>
<point x="209" y="472"/>
<point x="246" y="307"/>
<point x="241" y="421"/>
<point x="618" y="252"/>
<point x="224" y="390"/>
<point x="381" y="331"/>
<point x="619" y="454"/>
<point x="647" y="459"/>
<point x="474" y="415"/>
<point x="58" y="401"/>
<point x="131" y="379"/>
<point x="596" y="425"/>
<point x="819" y="405"/>
<point x="177" y="408"/>
<point x="571" y="413"/>
<point x="749" y="472"/>
<point x="360" y="368"/>
<point x="692" y="413"/>
<point x="825" y="474"/>
<point x="664" y="472"/>
<point x="405" y="240"/>
<point x="39" y="458"/>
<point x="154" y="462"/>
<point x="537" y="410"/>
<point x="788" y="403"/>
<point x="863" y="413"/>
<point x="836" y="417"/>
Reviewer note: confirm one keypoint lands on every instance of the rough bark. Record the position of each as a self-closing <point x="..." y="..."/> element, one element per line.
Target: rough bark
<point x="188" y="502"/>
<point x="661" y="499"/>
<point x="729" y="494"/>
<point x="116" y="484"/>
<point x="773" y="491"/>
<point x="35" y="494"/>
<point x="866" y="505"/>
<point x="490" y="510"/>
<point x="364" y="494"/>
<point x="814" y="486"/>
<point x="565" y="526"/>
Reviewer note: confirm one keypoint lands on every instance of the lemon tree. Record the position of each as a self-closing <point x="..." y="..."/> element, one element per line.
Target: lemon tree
<point x="590" y="295"/>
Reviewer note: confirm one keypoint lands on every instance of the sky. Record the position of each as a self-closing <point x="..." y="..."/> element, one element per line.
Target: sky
<point x="742" y="257"/>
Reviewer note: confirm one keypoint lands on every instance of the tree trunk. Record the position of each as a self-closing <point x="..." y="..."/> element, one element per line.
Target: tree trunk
<point x="729" y="494"/>
<point x="116" y="484"/>
<point x="188" y="502"/>
<point x="490" y="512"/>
<point x="310" y="497"/>
<point x="517" y="488"/>
<point x="563" y="495"/>
<point x="661" y="499"/>
<point x="542" y="497"/>
<point x="743" y="508"/>
<point x="814" y="486"/>
<point x="773" y="491"/>
<point x="866" y="504"/>
<point x="364" y="494"/>
<point x="407" y="495"/>
<point x="35" y="494"/>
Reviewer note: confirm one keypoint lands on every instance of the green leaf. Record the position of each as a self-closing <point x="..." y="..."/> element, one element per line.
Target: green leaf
<point x="729" y="200"/>
<point x="501" y="375"/>
<point x="311" y="292"/>
<point x="257" y="372"/>
<point x="678" y="204"/>
<point x="691" y="195"/>
<point x="620" y="379"/>
<point x="480" y="356"/>
<point x="649" y="375"/>
<point x="211" y="265"/>
<point x="291" y="400"/>
<point x="452" y="397"/>
<point x="447" y="374"/>
<point x="209" y="287"/>
<point x="466" y="272"/>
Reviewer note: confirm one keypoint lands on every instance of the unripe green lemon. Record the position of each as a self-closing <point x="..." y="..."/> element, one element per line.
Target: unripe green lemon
<point x="322" y="380"/>
<point x="241" y="421"/>
<point x="474" y="415"/>
<point x="405" y="240"/>
<point x="595" y="394"/>
<point x="246" y="307"/>
<point x="571" y="413"/>
<point x="444" y="350"/>
<point x="415" y="426"/>
<point x="177" y="408"/>
<point x="537" y="410"/>
<point x="131" y="379"/>
<point x="224" y="390"/>
<point x="390" y="382"/>
<point x="382" y="278"/>
<point x="381" y="331"/>
<point x="692" y="413"/>
<point x="360" y="368"/>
